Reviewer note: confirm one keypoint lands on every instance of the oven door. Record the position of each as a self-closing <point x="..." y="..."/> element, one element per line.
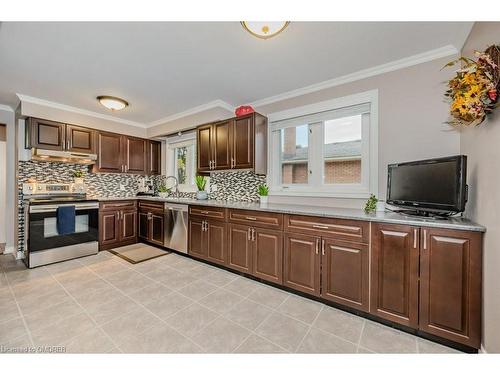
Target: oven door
<point x="42" y="232"/>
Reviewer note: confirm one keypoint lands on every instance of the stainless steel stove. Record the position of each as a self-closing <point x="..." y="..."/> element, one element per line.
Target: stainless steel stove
<point x="42" y="242"/>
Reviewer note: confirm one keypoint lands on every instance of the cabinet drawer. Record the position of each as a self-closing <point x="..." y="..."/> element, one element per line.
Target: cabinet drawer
<point x="217" y="213"/>
<point x="349" y="230"/>
<point x="150" y="205"/>
<point x="118" y="205"/>
<point x="269" y="220"/>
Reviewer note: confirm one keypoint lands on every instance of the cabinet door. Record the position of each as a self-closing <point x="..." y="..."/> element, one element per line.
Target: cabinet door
<point x="47" y="135"/>
<point x="204" y="147"/>
<point x="268" y="255"/>
<point x="240" y="248"/>
<point x="197" y="246"/>
<point x="136" y="160"/>
<point x="217" y="242"/>
<point x="243" y="142"/>
<point x="109" y="153"/>
<point x="129" y="226"/>
<point x="143" y="221"/>
<point x="302" y="263"/>
<point x="80" y="139"/>
<point x="156" y="229"/>
<point x="450" y="285"/>
<point x="222" y="144"/>
<point x="154" y="158"/>
<point x="344" y="273"/>
<point x="394" y="283"/>
<point x="109" y="229"/>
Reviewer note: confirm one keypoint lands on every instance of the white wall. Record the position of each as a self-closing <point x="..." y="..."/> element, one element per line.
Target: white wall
<point x="7" y="118"/>
<point x="412" y="113"/>
<point x="480" y="144"/>
<point x="3" y="191"/>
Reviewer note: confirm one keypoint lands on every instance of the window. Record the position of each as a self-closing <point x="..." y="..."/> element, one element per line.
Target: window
<point x="181" y="160"/>
<point x="325" y="149"/>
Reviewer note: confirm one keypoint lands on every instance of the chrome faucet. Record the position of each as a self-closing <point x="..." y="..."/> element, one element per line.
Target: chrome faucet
<point x="176" y="186"/>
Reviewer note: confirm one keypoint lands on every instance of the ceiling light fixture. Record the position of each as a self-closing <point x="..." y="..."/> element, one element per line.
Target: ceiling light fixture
<point x="264" y="30"/>
<point x="112" y="102"/>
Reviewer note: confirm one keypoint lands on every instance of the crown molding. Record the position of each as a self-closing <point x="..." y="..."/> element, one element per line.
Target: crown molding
<point x="7" y="108"/>
<point x="193" y="111"/>
<point x="362" y="74"/>
<point x="64" y="107"/>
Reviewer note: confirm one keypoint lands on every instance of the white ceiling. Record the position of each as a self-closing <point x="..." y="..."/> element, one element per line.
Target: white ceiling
<point x="166" y="68"/>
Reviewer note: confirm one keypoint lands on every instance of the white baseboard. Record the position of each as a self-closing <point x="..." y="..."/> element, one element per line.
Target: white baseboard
<point x="482" y="350"/>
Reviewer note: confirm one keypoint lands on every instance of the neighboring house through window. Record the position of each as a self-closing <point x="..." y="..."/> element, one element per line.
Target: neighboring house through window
<point x="325" y="149"/>
<point x="181" y="160"/>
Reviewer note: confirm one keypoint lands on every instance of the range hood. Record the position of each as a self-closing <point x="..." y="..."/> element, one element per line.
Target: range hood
<point x="63" y="156"/>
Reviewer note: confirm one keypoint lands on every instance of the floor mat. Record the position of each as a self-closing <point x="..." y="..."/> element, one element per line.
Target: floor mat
<point x="138" y="252"/>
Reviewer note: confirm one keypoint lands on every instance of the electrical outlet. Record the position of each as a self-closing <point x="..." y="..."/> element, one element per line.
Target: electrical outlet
<point x="213" y="188"/>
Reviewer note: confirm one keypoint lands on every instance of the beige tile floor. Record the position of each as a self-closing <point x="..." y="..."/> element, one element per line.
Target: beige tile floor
<point x="172" y="304"/>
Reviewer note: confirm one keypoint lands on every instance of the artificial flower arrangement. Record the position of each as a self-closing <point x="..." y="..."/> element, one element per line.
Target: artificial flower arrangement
<point x="475" y="88"/>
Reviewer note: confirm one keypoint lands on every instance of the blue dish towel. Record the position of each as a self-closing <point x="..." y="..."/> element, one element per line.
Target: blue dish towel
<point x="66" y="220"/>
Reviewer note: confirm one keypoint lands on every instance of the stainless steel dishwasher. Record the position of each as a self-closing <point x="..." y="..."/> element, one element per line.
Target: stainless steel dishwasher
<point x="176" y="226"/>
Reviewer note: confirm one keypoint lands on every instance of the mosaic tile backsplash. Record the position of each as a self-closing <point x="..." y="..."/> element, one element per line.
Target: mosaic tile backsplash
<point x="231" y="185"/>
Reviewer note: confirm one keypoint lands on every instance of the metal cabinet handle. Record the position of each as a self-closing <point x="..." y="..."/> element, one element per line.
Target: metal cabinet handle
<point x="232" y="163"/>
<point x="249" y="234"/>
<point x="323" y="247"/>
<point x="317" y="246"/>
<point x="210" y="164"/>
<point x="414" y="238"/>
<point x="253" y="234"/>
<point x="425" y="239"/>
<point x="251" y="218"/>
<point x="204" y="212"/>
<point x="320" y="226"/>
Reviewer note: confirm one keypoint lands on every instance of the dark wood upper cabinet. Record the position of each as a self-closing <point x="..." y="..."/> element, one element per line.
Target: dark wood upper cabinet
<point x="394" y="273"/>
<point x="450" y="285"/>
<point x="237" y="143"/>
<point x="109" y="153"/>
<point x="301" y="263"/>
<point x="221" y="134"/>
<point x="80" y="139"/>
<point x="154" y="158"/>
<point x="243" y="142"/>
<point x="204" y="148"/>
<point x="45" y="134"/>
<point x="345" y="273"/>
<point x="136" y="160"/>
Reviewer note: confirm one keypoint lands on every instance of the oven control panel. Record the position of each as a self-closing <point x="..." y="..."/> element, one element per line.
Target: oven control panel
<point x="35" y="188"/>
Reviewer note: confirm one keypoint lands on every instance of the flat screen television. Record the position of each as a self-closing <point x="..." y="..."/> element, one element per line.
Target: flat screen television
<point x="429" y="186"/>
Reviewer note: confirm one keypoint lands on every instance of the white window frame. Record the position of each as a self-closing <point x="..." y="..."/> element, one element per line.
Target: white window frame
<point x="186" y="139"/>
<point x="315" y="186"/>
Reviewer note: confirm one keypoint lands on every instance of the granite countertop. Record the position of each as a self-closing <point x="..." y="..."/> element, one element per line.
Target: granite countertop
<point x="456" y="223"/>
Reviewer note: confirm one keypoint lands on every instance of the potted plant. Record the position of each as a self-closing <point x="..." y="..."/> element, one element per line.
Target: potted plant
<point x="201" y="194"/>
<point x="78" y="175"/>
<point x="263" y="191"/>
<point x="163" y="191"/>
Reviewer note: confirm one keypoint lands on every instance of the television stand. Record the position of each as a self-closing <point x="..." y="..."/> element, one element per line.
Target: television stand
<point x="425" y="214"/>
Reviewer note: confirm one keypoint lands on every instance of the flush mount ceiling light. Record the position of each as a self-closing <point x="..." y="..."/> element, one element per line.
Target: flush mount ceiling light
<point x="112" y="102"/>
<point x="264" y="30"/>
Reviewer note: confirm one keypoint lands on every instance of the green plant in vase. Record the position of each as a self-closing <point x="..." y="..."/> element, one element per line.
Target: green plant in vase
<point x="371" y="204"/>
<point x="201" y="182"/>
<point x="263" y="191"/>
<point x="78" y="175"/>
<point x="163" y="191"/>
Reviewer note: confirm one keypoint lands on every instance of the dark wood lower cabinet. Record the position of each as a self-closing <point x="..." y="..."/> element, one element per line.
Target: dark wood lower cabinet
<point x="117" y="225"/>
<point x="240" y="248"/>
<point x="345" y="273"/>
<point x="267" y="261"/>
<point x="301" y="263"/>
<point x="196" y="238"/>
<point x="151" y="226"/>
<point x="394" y="273"/>
<point x="216" y="240"/>
<point x="450" y="285"/>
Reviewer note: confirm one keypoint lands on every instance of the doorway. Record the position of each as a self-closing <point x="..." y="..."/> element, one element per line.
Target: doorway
<point x="3" y="185"/>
